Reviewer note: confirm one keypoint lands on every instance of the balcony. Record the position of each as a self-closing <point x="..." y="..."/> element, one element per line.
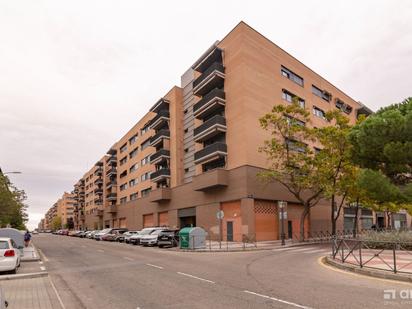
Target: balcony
<point x="112" y="151"/>
<point x="98" y="181"/>
<point x="160" y="120"/>
<point x="160" y="195"/>
<point x="111" y="209"/>
<point x="210" y="103"/>
<point x="211" y="152"/>
<point x="159" y="156"/>
<point x="111" y="184"/>
<point x="213" y="77"/>
<point x="98" y="171"/>
<point x="111" y="172"/>
<point x="210" y="57"/>
<point x="112" y="160"/>
<point x="162" y="104"/>
<point x="158" y="138"/>
<point x="98" y="191"/>
<point x="211" y="180"/>
<point x="99" y="163"/>
<point x="99" y="213"/>
<point x="210" y="128"/>
<point x="111" y="196"/>
<point x="159" y="175"/>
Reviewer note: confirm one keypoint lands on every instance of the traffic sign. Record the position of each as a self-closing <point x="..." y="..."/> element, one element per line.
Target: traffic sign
<point x="220" y="214"/>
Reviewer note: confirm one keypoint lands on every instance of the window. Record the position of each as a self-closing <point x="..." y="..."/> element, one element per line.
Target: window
<point x="145" y="144"/>
<point x="123" y="148"/>
<point x="321" y="93"/>
<point x="133" y="153"/>
<point x="295" y="146"/>
<point x="144" y="129"/>
<point x="288" y="96"/>
<point x="343" y="106"/>
<point x="133" y="196"/>
<point x="132" y="182"/>
<point x="319" y="113"/>
<point x="145" y="192"/>
<point x="145" y="176"/>
<point x="292" y="76"/>
<point x="123" y="174"/>
<point x="123" y="200"/>
<point x="133" y="168"/>
<point x="123" y="160"/>
<point x="133" y="139"/>
<point x="145" y="160"/>
<point x="123" y="186"/>
<point x="293" y="121"/>
<point x="186" y="130"/>
<point x="185" y="111"/>
<point x="186" y="170"/>
<point x="186" y="150"/>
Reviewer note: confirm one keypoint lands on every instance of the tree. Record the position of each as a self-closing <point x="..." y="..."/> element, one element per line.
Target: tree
<point x="292" y="162"/>
<point x="12" y="206"/>
<point x="382" y="144"/>
<point x="56" y="223"/>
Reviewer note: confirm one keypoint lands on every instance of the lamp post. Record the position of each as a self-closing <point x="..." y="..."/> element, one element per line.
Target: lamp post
<point x="282" y="205"/>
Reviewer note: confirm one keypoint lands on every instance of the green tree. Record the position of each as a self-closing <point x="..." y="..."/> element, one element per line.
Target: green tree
<point x="13" y="210"/>
<point x="291" y="162"/>
<point x="382" y="144"/>
<point x="56" y="223"/>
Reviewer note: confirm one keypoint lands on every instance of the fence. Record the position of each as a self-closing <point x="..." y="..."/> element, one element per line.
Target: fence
<point x="395" y="257"/>
<point x="213" y="242"/>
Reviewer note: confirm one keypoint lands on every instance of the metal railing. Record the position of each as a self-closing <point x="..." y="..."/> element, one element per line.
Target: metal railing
<point x="394" y="257"/>
<point x="213" y="242"/>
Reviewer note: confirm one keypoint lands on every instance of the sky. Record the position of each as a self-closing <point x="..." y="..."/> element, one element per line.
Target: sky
<point x="76" y="75"/>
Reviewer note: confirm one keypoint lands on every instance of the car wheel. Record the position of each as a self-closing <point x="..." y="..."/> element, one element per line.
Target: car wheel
<point x="14" y="271"/>
<point x="160" y="246"/>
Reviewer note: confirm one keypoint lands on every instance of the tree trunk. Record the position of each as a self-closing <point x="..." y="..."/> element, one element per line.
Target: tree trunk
<point x="332" y="215"/>
<point x="302" y="222"/>
<point x="355" y="224"/>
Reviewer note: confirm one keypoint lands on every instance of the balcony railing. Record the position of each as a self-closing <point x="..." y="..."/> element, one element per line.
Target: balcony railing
<point x="210" y="103"/>
<point x="216" y="149"/>
<point x="111" y="172"/>
<point x="213" y="77"/>
<point x="210" y="128"/>
<point x="156" y="139"/>
<point x="160" y="174"/>
<point x="111" y="160"/>
<point x="111" y="209"/>
<point x="98" y="171"/>
<point x="111" y="184"/>
<point x="111" y="196"/>
<point x="98" y="191"/>
<point x="158" y="121"/>
<point x="98" y="181"/>
<point x="159" y="156"/>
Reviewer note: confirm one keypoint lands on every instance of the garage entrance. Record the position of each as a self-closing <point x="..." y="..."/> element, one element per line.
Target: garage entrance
<point x="187" y="217"/>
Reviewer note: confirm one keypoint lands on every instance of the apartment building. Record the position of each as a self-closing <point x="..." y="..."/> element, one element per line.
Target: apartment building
<point x="79" y="211"/>
<point x="195" y="152"/>
<point x="65" y="207"/>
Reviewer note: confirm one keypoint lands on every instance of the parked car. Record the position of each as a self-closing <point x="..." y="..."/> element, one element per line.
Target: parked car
<point x="9" y="255"/>
<point x="125" y="237"/>
<point x="99" y="236"/>
<point x="64" y="232"/>
<point x="72" y="233"/>
<point x="90" y="235"/>
<point x="81" y="234"/>
<point x="135" y="239"/>
<point x="168" y="238"/>
<point x="151" y="239"/>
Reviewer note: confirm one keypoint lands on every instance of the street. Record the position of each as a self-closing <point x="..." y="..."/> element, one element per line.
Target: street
<point x="91" y="274"/>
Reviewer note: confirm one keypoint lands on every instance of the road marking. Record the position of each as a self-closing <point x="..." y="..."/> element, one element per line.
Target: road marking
<point x="40" y="262"/>
<point x="155" y="266"/>
<point x="278" y="300"/>
<point x="194" y="277"/>
<point x="304" y="249"/>
<point x="127" y="258"/>
<point x="43" y="268"/>
<point x="284" y="249"/>
<point x="42" y="254"/>
<point x="57" y="294"/>
<point x="100" y="250"/>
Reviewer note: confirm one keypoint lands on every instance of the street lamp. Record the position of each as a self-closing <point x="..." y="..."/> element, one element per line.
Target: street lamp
<point x="282" y="205"/>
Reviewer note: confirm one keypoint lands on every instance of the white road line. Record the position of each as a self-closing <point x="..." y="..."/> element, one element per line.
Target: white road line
<point x="57" y="294"/>
<point x="194" y="277"/>
<point x="304" y="249"/>
<point x="127" y="258"/>
<point x="44" y="256"/>
<point x="278" y="300"/>
<point x="155" y="266"/>
<point x="43" y="268"/>
<point x="40" y="262"/>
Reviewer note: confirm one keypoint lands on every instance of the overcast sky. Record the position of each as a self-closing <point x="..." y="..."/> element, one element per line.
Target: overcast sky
<point x="76" y="75"/>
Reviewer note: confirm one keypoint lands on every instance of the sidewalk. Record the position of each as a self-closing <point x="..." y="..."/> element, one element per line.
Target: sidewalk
<point x="33" y="293"/>
<point x="30" y="254"/>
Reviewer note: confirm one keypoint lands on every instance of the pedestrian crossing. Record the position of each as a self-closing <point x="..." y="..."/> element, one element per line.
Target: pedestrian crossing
<point x="304" y="250"/>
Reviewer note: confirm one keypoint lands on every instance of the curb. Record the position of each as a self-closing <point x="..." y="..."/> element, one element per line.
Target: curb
<point x="367" y="272"/>
<point x="24" y="276"/>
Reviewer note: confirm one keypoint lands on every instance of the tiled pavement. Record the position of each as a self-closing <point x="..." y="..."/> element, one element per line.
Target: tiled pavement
<point x="33" y="293"/>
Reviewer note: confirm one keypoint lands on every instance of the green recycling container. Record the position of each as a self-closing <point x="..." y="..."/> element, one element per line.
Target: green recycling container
<point x="184" y="237"/>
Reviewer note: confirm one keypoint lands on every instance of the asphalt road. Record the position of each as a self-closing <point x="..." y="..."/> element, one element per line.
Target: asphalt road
<point x="91" y="274"/>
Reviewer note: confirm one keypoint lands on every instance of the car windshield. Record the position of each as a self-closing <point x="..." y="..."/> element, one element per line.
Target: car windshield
<point x="146" y="232"/>
<point x="156" y="232"/>
<point x="4" y="244"/>
<point x="105" y="231"/>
